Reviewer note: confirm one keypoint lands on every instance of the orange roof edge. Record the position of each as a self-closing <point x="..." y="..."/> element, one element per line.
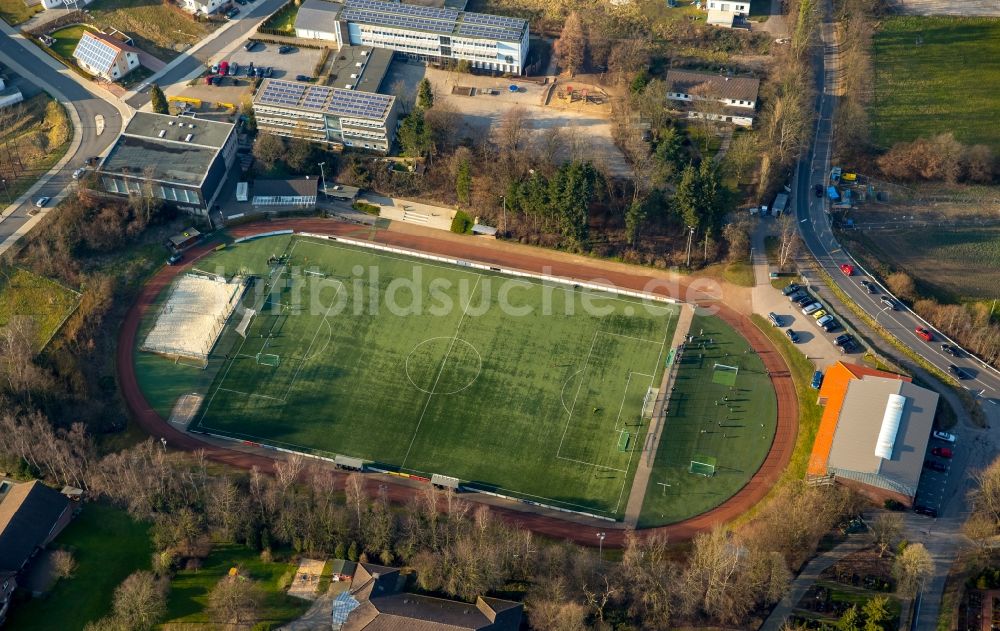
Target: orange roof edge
<point x="834" y="388"/>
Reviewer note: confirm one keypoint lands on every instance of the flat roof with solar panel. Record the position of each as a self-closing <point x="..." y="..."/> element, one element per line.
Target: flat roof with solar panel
<point x="319" y="98"/>
<point x="443" y="20"/>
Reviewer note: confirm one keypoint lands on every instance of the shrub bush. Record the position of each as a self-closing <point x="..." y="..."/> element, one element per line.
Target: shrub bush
<point x="462" y="223"/>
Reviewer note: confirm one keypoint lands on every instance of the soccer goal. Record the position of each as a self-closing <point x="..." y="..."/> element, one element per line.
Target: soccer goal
<point x="702" y="465"/>
<point x="268" y="359"/>
<point x="649" y="402"/>
<point x="725" y="375"/>
<point x="245" y="322"/>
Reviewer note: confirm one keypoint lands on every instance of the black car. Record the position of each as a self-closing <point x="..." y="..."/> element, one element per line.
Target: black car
<point x="818" y="189"/>
<point x="804" y="300"/>
<point x="233" y="12"/>
<point x="925" y="510"/>
<point x="934" y="465"/>
<point x="790" y="289"/>
<point x="951" y="350"/>
<point x="870" y="286"/>
<point x="831" y="326"/>
<point x="284" y="49"/>
<point x="268" y="71"/>
<point x="843" y="339"/>
<point x="889" y="302"/>
<point x="792" y="335"/>
<point x="848" y="348"/>
<point x="303" y="77"/>
<point x="797" y="294"/>
<point x="250" y="45"/>
<point x="960" y="373"/>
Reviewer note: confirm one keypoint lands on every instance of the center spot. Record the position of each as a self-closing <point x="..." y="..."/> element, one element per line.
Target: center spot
<point x="461" y="368"/>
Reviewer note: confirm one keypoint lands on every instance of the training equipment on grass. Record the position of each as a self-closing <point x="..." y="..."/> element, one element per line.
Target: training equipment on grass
<point x="245" y="322"/>
<point x="193" y="316"/>
<point x="725" y="375"/>
<point x="623" y="440"/>
<point x="268" y="359"/>
<point x="702" y="465"/>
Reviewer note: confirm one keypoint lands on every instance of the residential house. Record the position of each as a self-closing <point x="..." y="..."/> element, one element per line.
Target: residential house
<point x="9" y="95"/>
<point x="376" y="601"/>
<point x="203" y="7"/>
<point x="31" y="515"/>
<point x="728" y="14"/>
<point x="105" y="56"/>
<point x="717" y="97"/>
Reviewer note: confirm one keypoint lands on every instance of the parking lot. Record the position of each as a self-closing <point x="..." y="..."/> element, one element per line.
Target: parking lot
<point x="931" y="491"/>
<point x="585" y="128"/>
<point x="299" y="61"/>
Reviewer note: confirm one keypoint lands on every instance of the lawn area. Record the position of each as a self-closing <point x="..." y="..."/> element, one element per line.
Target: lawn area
<point x="23" y="293"/>
<point x="15" y="12"/>
<point x="189" y="589"/>
<point x="935" y="75"/>
<point x="108" y="546"/>
<point x="41" y="134"/>
<point x="701" y="425"/>
<point x="66" y="41"/>
<point x="533" y="390"/>
<point x="283" y="20"/>
<point x="158" y="28"/>
<point x="956" y="263"/>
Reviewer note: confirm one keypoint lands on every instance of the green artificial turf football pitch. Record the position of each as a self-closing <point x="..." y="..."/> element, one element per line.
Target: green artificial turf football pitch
<point x="418" y="366"/>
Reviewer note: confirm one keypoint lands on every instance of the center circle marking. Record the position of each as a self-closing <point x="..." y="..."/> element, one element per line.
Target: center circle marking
<point x="451" y="340"/>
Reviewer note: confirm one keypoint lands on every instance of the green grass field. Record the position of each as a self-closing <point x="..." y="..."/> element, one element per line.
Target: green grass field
<point x="935" y="75"/>
<point x="189" y="589"/>
<point x="23" y="293"/>
<point x="702" y="425"/>
<point x="66" y="41"/>
<point x="108" y="546"/>
<point x="157" y="27"/>
<point x="531" y="405"/>
<point x="14" y="12"/>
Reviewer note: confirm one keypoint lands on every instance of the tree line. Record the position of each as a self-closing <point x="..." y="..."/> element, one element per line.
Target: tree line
<point x="457" y="548"/>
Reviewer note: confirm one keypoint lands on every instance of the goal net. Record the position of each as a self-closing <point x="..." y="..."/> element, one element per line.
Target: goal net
<point x="702" y="465"/>
<point x="245" y="322"/>
<point x="725" y="375"/>
<point x="193" y="316"/>
<point x="649" y="402"/>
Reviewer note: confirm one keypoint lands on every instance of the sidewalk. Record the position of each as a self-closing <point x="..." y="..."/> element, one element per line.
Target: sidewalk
<point x="809" y="575"/>
<point x="637" y="494"/>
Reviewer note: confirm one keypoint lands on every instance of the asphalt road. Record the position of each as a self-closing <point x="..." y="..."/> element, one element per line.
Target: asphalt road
<point x="100" y="121"/>
<point x="244" y="24"/>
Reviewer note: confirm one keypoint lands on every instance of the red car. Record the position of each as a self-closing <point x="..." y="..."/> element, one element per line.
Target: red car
<point x="924" y="334"/>
<point x="848" y="270"/>
<point x="942" y="452"/>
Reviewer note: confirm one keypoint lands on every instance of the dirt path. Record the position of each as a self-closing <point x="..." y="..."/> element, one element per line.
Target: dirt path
<point x="511" y="257"/>
<point x="637" y="493"/>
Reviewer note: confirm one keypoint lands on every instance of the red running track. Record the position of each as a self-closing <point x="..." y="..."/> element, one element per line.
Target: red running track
<point x="755" y="489"/>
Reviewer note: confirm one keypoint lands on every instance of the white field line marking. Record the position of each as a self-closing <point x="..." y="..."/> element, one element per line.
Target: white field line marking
<point x="562" y="392"/>
<point x="666" y="330"/>
<point x="638" y="339"/>
<point x="251" y="394"/>
<point x="333" y="303"/>
<point x="225" y="375"/>
<point x="592" y="464"/>
<point x="569" y="417"/>
<point x="444" y="361"/>
<point x="622" y="406"/>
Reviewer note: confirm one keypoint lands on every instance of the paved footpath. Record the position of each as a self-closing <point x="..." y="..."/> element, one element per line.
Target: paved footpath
<point x="641" y="480"/>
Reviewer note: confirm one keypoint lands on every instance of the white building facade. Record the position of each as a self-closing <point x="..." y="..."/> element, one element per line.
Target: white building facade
<point x="487" y="42"/>
<point x="736" y="96"/>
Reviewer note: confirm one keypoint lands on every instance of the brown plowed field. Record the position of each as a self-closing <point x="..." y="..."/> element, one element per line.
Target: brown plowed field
<point x="534" y="261"/>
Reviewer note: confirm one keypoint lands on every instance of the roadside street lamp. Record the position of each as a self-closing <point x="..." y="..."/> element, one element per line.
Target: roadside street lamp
<point x="322" y="174"/>
<point x="600" y="545"/>
<point x="690" y="237"/>
<point x="503" y="198"/>
<point x="6" y="191"/>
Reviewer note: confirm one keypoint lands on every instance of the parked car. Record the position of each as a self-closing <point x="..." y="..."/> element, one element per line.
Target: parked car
<point x="840" y="340"/>
<point x="812" y="307"/>
<point x="250" y="45"/>
<point x="215" y="69"/>
<point x="268" y="71"/>
<point x="175" y="258"/>
<point x="233" y="12"/>
<point x="223" y="67"/>
<point x="933" y="465"/>
<point x="942" y="452"/>
<point x="849" y="347"/>
<point x="93" y="160"/>
<point x="889" y="302"/>
<point x="945" y="436"/>
<point x="925" y="510"/>
<point x="41" y="202"/>
<point x="790" y="289"/>
<point x="817" y="380"/>
<point x="954" y="351"/>
<point x="792" y="335"/>
<point x="303" y="77"/>
<point x="848" y="270"/>
<point x="870" y="286"/>
<point x="284" y="49"/>
<point x="825" y="321"/>
<point x="924" y="334"/>
<point x="805" y="300"/>
<point x="233" y="69"/>
<point x="960" y="373"/>
<point x="818" y="190"/>
<point x="819" y="314"/>
<point x="79" y="173"/>
<point x="774" y="318"/>
<point x="830" y="325"/>
<point x="798" y="293"/>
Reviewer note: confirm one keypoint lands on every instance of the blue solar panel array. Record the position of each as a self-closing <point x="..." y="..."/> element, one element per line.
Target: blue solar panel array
<point x="343" y="605"/>
<point x="432" y="19"/>
<point x="321" y="98"/>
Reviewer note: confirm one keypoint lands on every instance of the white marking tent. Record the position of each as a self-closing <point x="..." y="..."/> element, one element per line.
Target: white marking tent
<point x="193" y="316"/>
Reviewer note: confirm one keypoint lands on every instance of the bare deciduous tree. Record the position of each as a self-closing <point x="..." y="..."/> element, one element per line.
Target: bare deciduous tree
<point x="788" y="240"/>
<point x="234" y="603"/>
<point x="885" y="530"/>
<point x="571" y="47"/>
<point x="911" y="568"/>
<point x="140" y="602"/>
